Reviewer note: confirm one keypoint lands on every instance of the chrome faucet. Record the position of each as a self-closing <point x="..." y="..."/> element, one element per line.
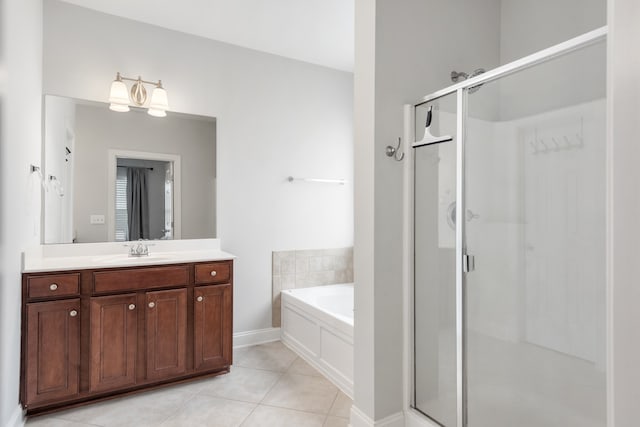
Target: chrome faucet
<point x="138" y="249"/>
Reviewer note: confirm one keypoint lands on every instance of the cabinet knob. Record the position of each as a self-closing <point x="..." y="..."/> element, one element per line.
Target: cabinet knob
<point x="214" y="273"/>
<point x="53" y="286"/>
<point x="73" y="313"/>
<point x="200" y="298"/>
<point x="132" y="306"/>
<point x="152" y="304"/>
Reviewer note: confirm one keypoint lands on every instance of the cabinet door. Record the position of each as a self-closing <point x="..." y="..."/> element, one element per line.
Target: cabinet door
<point x="212" y="326"/>
<point x="113" y="341"/>
<point x="166" y="333"/>
<point x="52" y="350"/>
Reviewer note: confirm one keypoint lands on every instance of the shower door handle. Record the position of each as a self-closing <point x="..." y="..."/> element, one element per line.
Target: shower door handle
<point x="468" y="263"/>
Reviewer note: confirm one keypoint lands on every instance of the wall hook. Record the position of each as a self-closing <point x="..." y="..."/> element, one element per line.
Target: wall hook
<point x="393" y="151"/>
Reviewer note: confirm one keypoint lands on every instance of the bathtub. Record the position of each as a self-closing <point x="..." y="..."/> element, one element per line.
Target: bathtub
<point x="317" y="323"/>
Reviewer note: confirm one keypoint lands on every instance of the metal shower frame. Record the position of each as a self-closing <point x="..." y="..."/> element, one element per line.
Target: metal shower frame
<point x="461" y="90"/>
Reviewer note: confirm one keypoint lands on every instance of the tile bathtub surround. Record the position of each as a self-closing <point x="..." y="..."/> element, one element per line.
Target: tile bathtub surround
<point x="306" y="268"/>
<point x="269" y="386"/>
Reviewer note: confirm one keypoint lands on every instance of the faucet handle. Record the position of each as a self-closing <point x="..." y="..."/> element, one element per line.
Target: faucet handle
<point x="137" y="249"/>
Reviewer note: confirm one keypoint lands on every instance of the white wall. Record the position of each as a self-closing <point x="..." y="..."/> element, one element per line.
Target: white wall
<point x="99" y="130"/>
<point x="59" y="134"/>
<point x="275" y="117"/>
<point x="21" y="74"/>
<point x="624" y="153"/>
<point x="364" y="206"/>
<point x="529" y="26"/>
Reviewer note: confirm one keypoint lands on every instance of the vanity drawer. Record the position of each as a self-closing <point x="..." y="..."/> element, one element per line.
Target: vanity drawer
<point x="140" y="278"/>
<point x="213" y="272"/>
<point x="57" y="285"/>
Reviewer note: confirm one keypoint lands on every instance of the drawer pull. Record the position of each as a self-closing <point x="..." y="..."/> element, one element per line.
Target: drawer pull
<point x="152" y="304"/>
<point x="200" y="298"/>
<point x="53" y="286"/>
<point x="73" y="313"/>
<point x="132" y="306"/>
<point x="214" y="273"/>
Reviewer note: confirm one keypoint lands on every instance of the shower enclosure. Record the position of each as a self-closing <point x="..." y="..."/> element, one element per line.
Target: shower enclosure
<point x="507" y="200"/>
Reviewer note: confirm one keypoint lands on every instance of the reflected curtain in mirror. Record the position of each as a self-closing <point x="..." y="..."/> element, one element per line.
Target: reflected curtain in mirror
<point x="137" y="203"/>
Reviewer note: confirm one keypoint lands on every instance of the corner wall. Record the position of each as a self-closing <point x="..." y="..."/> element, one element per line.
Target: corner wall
<point x="21" y="90"/>
<point x="404" y="50"/>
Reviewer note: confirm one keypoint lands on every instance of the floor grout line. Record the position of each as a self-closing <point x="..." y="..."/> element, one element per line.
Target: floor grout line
<point x="293" y="409"/>
<point x="272" y="387"/>
<point x="334" y="402"/>
<point x="248" y="415"/>
<point x="52" y="417"/>
<point x="258" y="369"/>
<point x="180" y="407"/>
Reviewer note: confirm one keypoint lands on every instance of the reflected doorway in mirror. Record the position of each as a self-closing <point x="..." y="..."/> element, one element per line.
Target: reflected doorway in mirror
<point x="144" y="195"/>
<point x="144" y="200"/>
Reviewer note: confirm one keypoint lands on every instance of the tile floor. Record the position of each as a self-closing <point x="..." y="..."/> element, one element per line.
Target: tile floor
<point x="268" y="386"/>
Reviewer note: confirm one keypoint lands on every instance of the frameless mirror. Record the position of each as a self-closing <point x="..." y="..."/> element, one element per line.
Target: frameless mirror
<point x="111" y="176"/>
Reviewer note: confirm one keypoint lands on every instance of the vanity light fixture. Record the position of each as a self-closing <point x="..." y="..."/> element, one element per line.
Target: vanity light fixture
<point x="120" y="96"/>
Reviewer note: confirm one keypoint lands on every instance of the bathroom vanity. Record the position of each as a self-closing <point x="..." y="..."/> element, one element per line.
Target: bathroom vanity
<point x="107" y="324"/>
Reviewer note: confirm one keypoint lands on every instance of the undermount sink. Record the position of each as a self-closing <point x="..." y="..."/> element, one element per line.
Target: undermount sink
<point x="126" y="258"/>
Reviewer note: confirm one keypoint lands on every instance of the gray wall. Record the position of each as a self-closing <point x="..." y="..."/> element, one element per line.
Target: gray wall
<point x="98" y="130"/>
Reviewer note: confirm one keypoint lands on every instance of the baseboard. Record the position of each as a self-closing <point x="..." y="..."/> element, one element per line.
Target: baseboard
<point x="259" y="336"/>
<point x="359" y="419"/>
<point x="416" y="419"/>
<point x="330" y="372"/>
<point x="17" y="418"/>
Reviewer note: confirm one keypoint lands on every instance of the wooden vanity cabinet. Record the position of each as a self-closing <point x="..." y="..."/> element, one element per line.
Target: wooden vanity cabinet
<point x="166" y="333"/>
<point x="99" y="333"/>
<point x="52" y="354"/>
<point x="213" y="306"/>
<point x="113" y="341"/>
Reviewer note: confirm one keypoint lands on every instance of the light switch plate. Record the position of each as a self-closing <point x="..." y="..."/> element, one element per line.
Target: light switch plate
<point x="96" y="219"/>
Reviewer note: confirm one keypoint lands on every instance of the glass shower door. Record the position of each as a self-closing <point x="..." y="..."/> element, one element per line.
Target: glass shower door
<point x="535" y="224"/>
<point x="434" y="264"/>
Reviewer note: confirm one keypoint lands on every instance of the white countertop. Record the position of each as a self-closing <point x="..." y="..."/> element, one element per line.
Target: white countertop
<point x="81" y="256"/>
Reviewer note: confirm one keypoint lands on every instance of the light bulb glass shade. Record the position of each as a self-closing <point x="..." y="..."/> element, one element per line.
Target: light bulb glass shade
<point x="118" y="93"/>
<point x="159" y="100"/>
<point x="119" y="108"/>
<point x="156" y="113"/>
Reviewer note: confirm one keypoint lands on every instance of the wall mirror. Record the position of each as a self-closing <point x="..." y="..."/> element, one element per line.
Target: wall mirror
<point x="111" y="176"/>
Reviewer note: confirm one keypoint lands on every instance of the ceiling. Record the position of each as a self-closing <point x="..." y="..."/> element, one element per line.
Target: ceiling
<point x="315" y="31"/>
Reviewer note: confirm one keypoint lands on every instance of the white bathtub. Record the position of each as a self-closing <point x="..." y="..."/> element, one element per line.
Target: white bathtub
<point x="317" y="323"/>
